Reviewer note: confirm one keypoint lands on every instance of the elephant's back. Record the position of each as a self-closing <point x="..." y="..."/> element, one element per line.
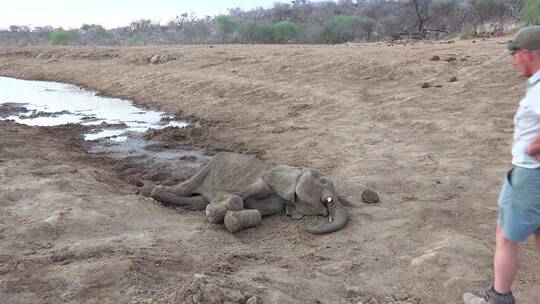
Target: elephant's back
<point x="233" y="172"/>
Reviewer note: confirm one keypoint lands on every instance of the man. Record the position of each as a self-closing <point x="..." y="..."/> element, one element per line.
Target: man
<point x="519" y="200"/>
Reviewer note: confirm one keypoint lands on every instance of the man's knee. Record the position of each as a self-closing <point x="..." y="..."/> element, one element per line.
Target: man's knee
<point x="502" y="240"/>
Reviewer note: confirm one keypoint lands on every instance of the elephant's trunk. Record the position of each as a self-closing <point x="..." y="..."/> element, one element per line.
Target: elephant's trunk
<point x="337" y="219"/>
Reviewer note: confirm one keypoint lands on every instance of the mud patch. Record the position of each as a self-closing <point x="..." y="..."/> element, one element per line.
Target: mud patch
<point x="202" y="289"/>
<point x="156" y="161"/>
<point x="11" y="108"/>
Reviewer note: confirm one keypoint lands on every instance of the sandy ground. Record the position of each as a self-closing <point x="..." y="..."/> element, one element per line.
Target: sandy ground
<point x="73" y="230"/>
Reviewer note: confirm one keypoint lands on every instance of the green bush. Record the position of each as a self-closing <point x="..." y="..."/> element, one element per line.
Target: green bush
<point x="284" y="31"/>
<point x="137" y="38"/>
<point x="61" y="37"/>
<point x="341" y="29"/>
<point x="531" y="11"/>
<point x="255" y="32"/>
<point x="225" y="26"/>
<point x="465" y="34"/>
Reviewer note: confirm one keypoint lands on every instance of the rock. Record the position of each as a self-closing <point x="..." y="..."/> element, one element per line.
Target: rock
<point x="435" y="58"/>
<point x="370" y="197"/>
<point x="252" y="300"/>
<point x="451" y="58"/>
<point x="202" y="289"/>
<point x="453" y="79"/>
<point x="157" y="59"/>
<point x="425" y="85"/>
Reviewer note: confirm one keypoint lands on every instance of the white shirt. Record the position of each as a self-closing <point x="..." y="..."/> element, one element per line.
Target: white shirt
<point x="527" y="124"/>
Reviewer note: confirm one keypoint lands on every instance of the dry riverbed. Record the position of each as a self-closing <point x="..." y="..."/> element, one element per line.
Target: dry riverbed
<point x="432" y="137"/>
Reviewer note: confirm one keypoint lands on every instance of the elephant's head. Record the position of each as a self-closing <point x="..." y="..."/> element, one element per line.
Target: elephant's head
<point x="311" y="193"/>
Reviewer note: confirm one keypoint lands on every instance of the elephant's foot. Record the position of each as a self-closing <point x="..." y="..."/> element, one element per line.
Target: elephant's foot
<point x="238" y="220"/>
<point x="216" y="210"/>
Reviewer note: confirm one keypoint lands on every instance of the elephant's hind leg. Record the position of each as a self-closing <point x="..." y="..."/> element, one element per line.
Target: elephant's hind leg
<point x="220" y="204"/>
<point x="187" y="187"/>
<point x="190" y="202"/>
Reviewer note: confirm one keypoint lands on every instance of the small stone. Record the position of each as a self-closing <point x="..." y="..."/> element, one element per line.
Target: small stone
<point x="155" y="59"/>
<point x="453" y="79"/>
<point x="438" y="85"/>
<point x="451" y="58"/>
<point x="425" y="85"/>
<point x="370" y="197"/>
<point x="435" y="58"/>
<point x="252" y="300"/>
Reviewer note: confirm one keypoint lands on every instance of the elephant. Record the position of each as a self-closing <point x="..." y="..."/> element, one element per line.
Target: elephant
<point x="232" y="182"/>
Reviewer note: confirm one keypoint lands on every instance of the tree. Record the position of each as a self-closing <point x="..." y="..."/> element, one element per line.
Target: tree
<point x="421" y="11"/>
<point x="95" y="34"/>
<point x="284" y="31"/>
<point x="531" y="12"/>
<point x="255" y="32"/>
<point x="62" y="37"/>
<point x="341" y="29"/>
<point x="225" y="26"/>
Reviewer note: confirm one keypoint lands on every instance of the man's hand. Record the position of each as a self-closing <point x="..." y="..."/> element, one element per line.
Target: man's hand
<point x="534" y="149"/>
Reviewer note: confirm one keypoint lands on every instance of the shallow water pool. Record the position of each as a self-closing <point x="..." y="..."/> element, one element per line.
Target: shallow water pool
<point x="53" y="103"/>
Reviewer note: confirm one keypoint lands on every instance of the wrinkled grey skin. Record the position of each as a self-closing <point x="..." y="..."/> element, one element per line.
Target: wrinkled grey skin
<point x="268" y="188"/>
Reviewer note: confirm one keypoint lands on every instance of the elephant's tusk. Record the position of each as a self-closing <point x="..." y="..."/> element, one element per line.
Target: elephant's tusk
<point x="330" y="219"/>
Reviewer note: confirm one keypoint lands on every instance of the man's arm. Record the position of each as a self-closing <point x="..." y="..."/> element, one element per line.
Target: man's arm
<point x="534" y="149"/>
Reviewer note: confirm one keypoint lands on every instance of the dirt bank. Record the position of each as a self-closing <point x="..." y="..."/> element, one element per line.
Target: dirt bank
<point x="436" y="156"/>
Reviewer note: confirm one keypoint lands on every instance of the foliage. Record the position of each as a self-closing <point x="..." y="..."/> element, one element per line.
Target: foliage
<point x="465" y="34"/>
<point x="305" y="21"/>
<point x="62" y="37"/>
<point x="284" y="31"/>
<point x="95" y="34"/>
<point x="255" y="32"/>
<point x="225" y="26"/>
<point x="347" y="28"/>
<point x="136" y="39"/>
<point x="531" y="12"/>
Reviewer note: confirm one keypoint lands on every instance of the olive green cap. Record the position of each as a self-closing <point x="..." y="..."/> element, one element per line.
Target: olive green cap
<point x="527" y="38"/>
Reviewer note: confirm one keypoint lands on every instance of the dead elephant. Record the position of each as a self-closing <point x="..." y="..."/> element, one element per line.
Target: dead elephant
<point x="238" y="189"/>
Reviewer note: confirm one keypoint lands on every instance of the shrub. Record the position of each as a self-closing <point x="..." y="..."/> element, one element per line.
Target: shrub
<point x="61" y="37"/>
<point x="531" y="12"/>
<point x="341" y="29"/>
<point x="284" y="31"/>
<point x="255" y="32"/>
<point x="225" y="26"/>
<point x="466" y="34"/>
<point x="137" y="38"/>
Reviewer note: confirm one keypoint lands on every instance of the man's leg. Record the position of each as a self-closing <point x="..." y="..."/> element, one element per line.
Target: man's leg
<point x="505" y="262"/>
<point x="505" y="266"/>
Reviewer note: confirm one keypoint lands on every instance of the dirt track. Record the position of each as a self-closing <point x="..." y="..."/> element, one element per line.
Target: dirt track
<point x="72" y="230"/>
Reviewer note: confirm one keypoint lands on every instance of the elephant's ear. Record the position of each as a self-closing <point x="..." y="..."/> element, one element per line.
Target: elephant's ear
<point x="283" y="179"/>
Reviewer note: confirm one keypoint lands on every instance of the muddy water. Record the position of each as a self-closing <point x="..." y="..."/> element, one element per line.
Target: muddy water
<point x="115" y="126"/>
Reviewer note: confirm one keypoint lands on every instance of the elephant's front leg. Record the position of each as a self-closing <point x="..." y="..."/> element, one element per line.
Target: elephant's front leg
<point x="269" y="205"/>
